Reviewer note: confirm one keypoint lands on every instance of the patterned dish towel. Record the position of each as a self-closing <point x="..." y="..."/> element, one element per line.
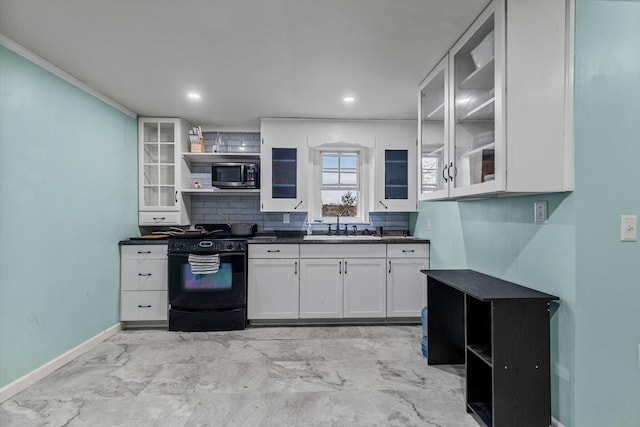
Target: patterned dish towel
<point x="204" y="264"/>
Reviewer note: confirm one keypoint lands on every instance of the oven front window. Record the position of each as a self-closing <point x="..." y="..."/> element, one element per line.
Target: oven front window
<point x="221" y="280"/>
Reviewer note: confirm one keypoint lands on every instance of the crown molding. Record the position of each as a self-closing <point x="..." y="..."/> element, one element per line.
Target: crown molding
<point x="43" y="63"/>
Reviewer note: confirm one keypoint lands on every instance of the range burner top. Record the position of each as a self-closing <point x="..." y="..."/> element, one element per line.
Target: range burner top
<point x="207" y="246"/>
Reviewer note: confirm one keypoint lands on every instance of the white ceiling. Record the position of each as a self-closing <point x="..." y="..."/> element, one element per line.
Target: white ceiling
<point x="247" y="58"/>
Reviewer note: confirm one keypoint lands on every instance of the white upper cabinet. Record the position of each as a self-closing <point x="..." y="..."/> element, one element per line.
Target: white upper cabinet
<point x="161" y="142"/>
<point x="284" y="165"/>
<point x="433" y="133"/>
<point x="492" y="113"/>
<point x="395" y="168"/>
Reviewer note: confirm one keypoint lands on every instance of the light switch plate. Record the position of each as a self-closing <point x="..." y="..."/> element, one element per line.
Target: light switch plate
<point x="629" y="228"/>
<point x="540" y="212"/>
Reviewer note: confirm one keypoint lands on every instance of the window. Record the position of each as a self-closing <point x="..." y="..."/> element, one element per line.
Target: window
<point x="340" y="184"/>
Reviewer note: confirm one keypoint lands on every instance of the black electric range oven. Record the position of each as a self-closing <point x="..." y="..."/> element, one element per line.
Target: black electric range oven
<point x="213" y="298"/>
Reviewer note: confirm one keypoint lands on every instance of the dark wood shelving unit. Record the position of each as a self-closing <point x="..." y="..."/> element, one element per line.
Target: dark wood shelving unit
<point x="501" y="331"/>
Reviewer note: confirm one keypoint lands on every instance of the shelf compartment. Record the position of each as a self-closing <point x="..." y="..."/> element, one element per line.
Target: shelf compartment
<point x="482" y="411"/>
<point x="483" y="352"/>
<point x="437" y="113"/>
<point x="432" y="153"/>
<point x="482" y="78"/>
<point x="484" y="111"/>
<point x="490" y="146"/>
<point x="479" y="388"/>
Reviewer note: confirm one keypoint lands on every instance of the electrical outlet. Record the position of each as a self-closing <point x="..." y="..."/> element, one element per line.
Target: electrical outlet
<point x="286" y="218"/>
<point x="540" y="212"/>
<point x="629" y="228"/>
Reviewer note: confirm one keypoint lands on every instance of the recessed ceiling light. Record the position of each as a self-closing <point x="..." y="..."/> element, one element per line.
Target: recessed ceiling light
<point x="193" y="95"/>
<point x="348" y="99"/>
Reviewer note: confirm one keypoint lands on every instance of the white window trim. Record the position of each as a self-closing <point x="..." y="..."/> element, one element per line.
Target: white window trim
<point x="315" y="182"/>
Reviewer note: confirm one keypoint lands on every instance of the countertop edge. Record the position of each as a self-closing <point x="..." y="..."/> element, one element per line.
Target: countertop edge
<point x="300" y="240"/>
<point x="143" y="242"/>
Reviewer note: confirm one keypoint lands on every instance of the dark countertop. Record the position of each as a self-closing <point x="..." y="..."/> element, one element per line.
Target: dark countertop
<point x="144" y="242"/>
<point x="483" y="287"/>
<point x="298" y="238"/>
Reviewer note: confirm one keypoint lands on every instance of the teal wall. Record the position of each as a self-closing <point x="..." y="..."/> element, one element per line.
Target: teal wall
<point x="68" y="193"/>
<point x="578" y="255"/>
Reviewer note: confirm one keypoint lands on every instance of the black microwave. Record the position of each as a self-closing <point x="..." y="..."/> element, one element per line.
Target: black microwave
<point x="235" y="175"/>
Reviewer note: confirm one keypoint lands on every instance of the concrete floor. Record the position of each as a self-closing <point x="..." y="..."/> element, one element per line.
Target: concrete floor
<point x="269" y="376"/>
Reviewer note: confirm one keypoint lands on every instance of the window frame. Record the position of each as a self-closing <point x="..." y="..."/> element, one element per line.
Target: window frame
<point x="316" y="187"/>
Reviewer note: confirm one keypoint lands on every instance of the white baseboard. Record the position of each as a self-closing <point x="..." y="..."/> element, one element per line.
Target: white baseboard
<point x="37" y="374"/>
<point x="556" y="423"/>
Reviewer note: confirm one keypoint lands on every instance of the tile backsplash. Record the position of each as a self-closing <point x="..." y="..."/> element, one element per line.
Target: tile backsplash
<point x="207" y="209"/>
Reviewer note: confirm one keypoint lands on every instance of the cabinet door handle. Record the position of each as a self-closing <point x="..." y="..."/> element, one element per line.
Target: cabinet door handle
<point x="340" y="267"/>
<point x="176" y="196"/>
<point x="455" y="171"/>
<point x="144" y="252"/>
<point x="159" y="218"/>
<point x="408" y="250"/>
<point x="389" y="267"/>
<point x="385" y="206"/>
<point x="444" y="169"/>
<point x="273" y="251"/>
<point x="144" y="306"/>
<point x="296" y="206"/>
<point x="144" y="274"/>
<point x="295" y="267"/>
<point x="345" y="267"/>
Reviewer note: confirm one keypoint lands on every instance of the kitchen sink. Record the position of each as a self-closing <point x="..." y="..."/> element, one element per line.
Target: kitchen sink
<point x="324" y="237"/>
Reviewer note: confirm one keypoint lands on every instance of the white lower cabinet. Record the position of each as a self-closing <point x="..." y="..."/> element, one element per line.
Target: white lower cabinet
<point x="364" y="288"/>
<point x="406" y="284"/>
<point x="143" y="283"/>
<point x="273" y="282"/>
<point x="351" y="285"/>
<point x="321" y="288"/>
<point x="336" y="281"/>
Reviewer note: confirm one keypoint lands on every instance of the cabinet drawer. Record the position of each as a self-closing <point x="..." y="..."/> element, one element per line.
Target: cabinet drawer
<point x="143" y="305"/>
<point x="148" y="275"/>
<point x="333" y="250"/>
<point x="144" y="252"/>
<point x="274" y="251"/>
<point x="410" y="250"/>
<point x="159" y="218"/>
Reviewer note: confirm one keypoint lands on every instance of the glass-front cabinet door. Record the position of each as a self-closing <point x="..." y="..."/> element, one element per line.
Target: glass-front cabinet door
<point x="158" y="169"/>
<point x="433" y="163"/>
<point x="476" y="91"/>
<point x="283" y="186"/>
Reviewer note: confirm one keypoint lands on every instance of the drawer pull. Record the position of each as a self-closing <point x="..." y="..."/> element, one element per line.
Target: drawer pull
<point x="159" y="218"/>
<point x="408" y="250"/>
<point x="275" y="250"/>
<point x="144" y="306"/>
<point x="144" y="274"/>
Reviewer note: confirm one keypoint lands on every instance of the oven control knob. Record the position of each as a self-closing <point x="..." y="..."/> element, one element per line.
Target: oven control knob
<point x="230" y="246"/>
